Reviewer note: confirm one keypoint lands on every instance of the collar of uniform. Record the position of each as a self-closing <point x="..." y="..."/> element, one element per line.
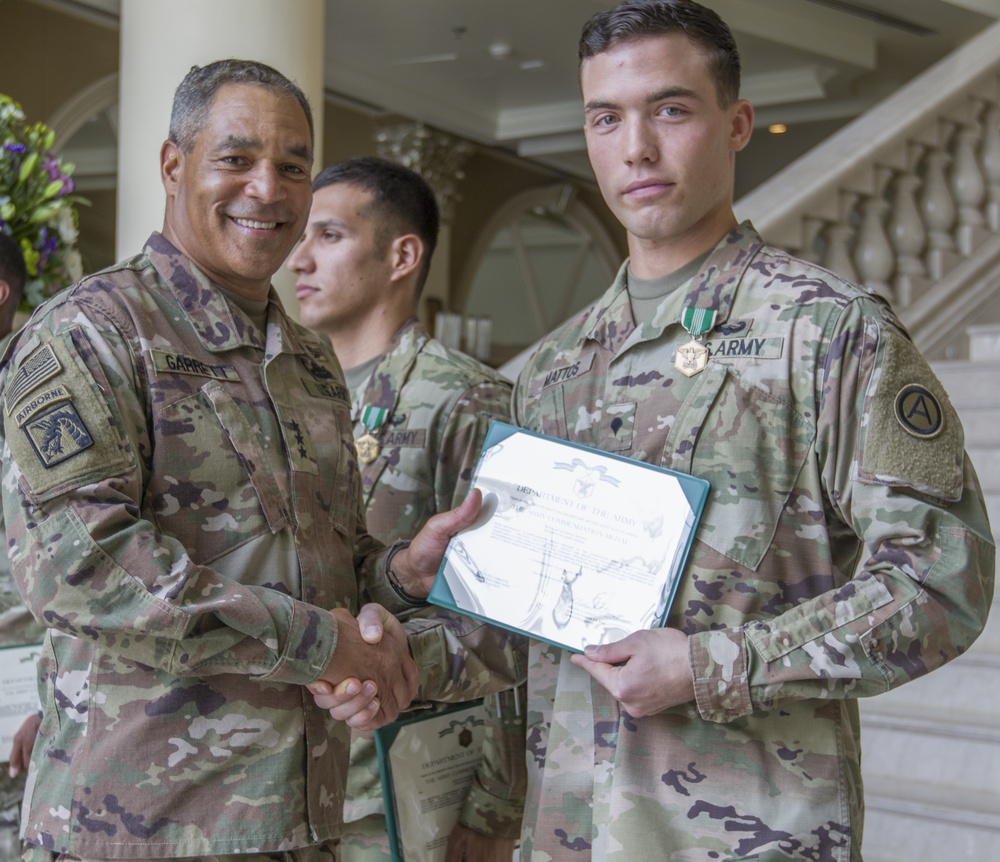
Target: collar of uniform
<point x="610" y="321"/>
<point x="716" y="283"/>
<point x="393" y="369"/>
<point x="203" y="302"/>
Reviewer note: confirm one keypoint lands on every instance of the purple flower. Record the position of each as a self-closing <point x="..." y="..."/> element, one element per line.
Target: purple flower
<point x="16" y="148"/>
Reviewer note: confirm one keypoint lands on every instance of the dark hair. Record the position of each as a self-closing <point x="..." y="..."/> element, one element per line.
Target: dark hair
<point x="634" y="19"/>
<point x="402" y="201"/>
<point x="15" y="273"/>
<point x="193" y="97"/>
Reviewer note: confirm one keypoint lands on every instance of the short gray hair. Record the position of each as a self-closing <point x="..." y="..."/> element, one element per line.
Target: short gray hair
<point x="193" y="98"/>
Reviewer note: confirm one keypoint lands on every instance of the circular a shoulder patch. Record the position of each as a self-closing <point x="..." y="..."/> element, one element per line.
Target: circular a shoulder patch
<point x="919" y="412"/>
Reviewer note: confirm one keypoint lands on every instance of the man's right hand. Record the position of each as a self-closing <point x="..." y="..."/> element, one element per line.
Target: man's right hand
<point x="381" y="658"/>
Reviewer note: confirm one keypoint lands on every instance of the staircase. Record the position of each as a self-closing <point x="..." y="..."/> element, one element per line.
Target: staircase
<point x="931" y="748"/>
<point x="906" y="199"/>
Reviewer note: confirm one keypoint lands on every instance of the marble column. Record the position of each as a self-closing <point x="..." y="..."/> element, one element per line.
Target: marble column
<point x="160" y="42"/>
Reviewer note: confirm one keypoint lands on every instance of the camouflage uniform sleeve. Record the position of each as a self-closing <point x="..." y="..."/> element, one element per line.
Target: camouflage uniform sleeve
<point x="495" y="801"/>
<point x="889" y="448"/>
<point x="93" y="567"/>
<point x="461" y="658"/>
<point x="461" y="439"/>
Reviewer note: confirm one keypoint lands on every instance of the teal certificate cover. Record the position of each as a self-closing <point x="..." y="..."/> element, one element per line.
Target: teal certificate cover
<point x="573" y="545"/>
<point x="427" y="763"/>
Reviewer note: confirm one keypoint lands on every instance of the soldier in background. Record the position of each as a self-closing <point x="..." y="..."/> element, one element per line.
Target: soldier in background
<point x="844" y="549"/>
<point x="183" y="510"/>
<point x="17" y="625"/>
<point x="420" y="413"/>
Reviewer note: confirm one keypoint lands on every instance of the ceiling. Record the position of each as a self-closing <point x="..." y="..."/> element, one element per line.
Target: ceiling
<point x="503" y="73"/>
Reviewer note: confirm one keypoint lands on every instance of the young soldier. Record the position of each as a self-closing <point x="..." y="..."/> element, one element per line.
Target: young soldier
<point x="845" y="547"/>
<point x="420" y="412"/>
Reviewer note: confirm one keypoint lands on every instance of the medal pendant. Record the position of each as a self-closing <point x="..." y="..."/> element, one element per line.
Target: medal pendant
<point x="691" y="358"/>
<point x="368" y="447"/>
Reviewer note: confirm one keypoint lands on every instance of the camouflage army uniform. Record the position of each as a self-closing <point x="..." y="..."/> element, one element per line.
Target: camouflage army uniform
<point x="17" y="626"/>
<point x="182" y="501"/>
<point x="438" y="404"/>
<point x="843" y="551"/>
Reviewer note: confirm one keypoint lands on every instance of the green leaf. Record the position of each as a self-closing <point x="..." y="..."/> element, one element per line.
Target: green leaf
<point x="52" y="189"/>
<point x="27" y="166"/>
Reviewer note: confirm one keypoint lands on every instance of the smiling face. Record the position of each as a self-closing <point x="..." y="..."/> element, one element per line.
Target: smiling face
<point x="662" y="148"/>
<point x="238" y="201"/>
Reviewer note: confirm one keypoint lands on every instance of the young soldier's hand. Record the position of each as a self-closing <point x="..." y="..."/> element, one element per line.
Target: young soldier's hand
<point x="647" y="672"/>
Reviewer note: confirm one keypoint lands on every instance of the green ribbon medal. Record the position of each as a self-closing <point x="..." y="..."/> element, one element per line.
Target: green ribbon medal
<point x="692" y="357"/>
<point x="367" y="444"/>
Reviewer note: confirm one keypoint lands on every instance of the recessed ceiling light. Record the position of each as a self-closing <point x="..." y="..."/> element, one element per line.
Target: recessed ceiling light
<point x="777" y="128"/>
<point x="532" y="65"/>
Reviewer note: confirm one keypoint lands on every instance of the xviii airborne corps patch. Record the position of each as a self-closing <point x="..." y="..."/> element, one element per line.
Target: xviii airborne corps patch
<point x="57" y="434"/>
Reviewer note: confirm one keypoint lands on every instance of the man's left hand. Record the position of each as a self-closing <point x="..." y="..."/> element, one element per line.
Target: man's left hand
<point x="647" y="672"/>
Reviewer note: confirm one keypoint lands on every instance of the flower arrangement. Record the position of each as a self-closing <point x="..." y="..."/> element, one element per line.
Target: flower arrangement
<point x="37" y="204"/>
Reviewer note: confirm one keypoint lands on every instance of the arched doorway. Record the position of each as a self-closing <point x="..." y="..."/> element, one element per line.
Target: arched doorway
<point x="543" y="256"/>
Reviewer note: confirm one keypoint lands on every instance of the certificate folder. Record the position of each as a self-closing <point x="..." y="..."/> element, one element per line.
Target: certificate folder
<point x="427" y="762"/>
<point x="573" y="545"/>
<point x="18" y="691"/>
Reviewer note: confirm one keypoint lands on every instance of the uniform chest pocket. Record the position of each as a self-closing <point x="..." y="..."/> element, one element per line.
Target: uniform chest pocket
<point x="213" y="485"/>
<point x="751" y="447"/>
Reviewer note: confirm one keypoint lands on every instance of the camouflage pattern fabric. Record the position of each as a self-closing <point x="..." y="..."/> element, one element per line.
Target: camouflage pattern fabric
<point x="182" y="503"/>
<point x="17" y="626"/>
<point x="844" y="550"/>
<point x="438" y="404"/>
<point x="328" y="851"/>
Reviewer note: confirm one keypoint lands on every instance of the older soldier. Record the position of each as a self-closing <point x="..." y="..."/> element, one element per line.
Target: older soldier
<point x="421" y="412"/>
<point x="183" y="511"/>
<point x="845" y="547"/>
<point x="17" y="625"/>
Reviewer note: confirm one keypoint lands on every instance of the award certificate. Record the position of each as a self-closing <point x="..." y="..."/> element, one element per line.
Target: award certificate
<point x="573" y="546"/>
<point x="427" y="764"/>
<point x="18" y="691"/>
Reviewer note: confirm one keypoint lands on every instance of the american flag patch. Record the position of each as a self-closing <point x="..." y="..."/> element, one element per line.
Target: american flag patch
<point x="42" y="365"/>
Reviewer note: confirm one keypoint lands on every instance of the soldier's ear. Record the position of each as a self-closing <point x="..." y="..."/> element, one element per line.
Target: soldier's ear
<point x="4" y="292"/>
<point x="171" y="159"/>
<point x="405" y="255"/>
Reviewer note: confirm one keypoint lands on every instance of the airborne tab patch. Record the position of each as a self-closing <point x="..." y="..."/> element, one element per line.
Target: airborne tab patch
<point x="165" y="361"/>
<point x="41" y="366"/>
<point x="58" y="434"/>
<point x="45" y="399"/>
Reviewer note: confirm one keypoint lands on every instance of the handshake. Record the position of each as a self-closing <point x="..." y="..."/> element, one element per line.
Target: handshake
<point x="372" y="676"/>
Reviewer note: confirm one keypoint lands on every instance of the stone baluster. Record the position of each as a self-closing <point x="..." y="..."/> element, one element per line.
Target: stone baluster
<point x="907" y="232"/>
<point x="838" y="236"/>
<point x="989" y="156"/>
<point x="968" y="187"/>
<point x="938" y="209"/>
<point x="811" y="228"/>
<point x="874" y="257"/>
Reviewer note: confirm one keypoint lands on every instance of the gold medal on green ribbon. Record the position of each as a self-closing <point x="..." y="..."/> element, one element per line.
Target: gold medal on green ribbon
<point x="367" y="444"/>
<point x="692" y="358"/>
